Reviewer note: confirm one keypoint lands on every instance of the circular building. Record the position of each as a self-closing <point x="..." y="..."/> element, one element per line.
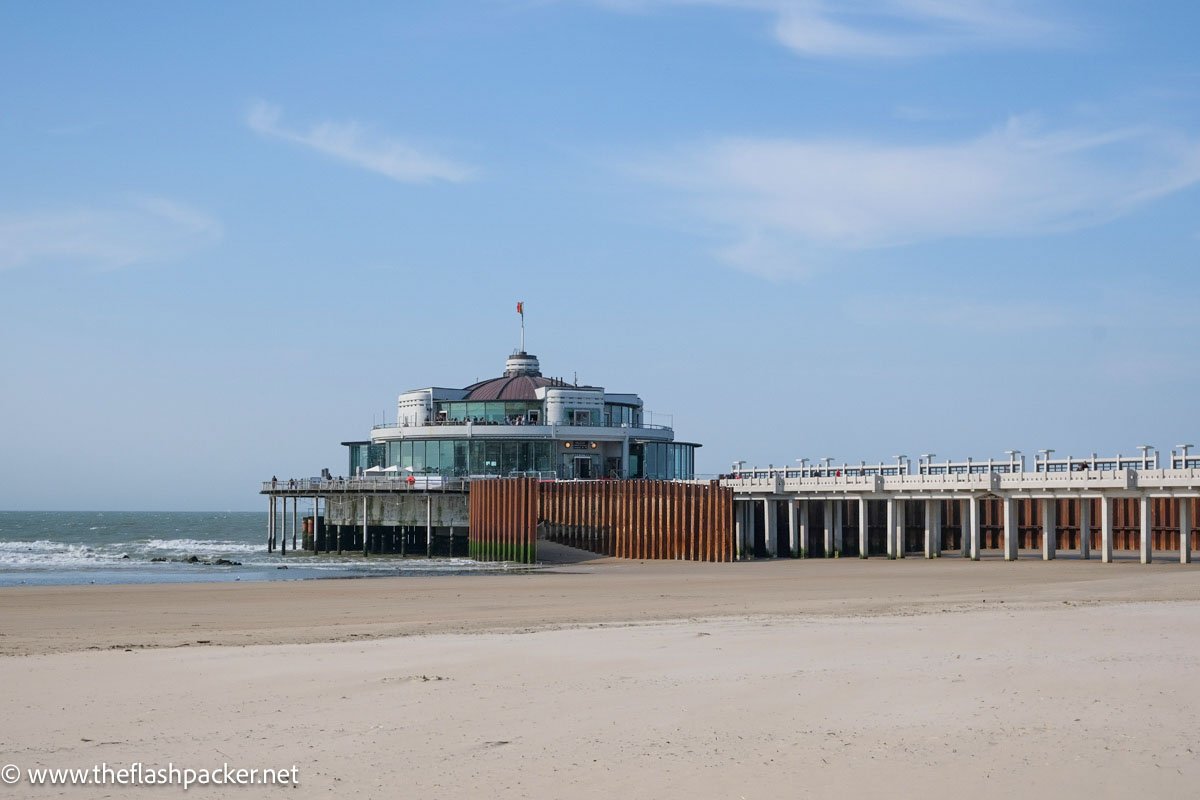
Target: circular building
<point x="523" y="423"/>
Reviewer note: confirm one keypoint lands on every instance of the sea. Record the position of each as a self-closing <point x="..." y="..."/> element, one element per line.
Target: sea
<point x="83" y="547"/>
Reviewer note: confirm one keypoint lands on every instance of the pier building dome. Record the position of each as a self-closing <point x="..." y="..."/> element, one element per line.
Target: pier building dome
<point x="521" y="379"/>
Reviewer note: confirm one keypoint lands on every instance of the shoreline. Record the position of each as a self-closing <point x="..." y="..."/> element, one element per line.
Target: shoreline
<point x="571" y="593"/>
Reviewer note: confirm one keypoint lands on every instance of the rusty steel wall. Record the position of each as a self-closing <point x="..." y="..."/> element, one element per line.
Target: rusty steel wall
<point x="1164" y="523"/>
<point x="503" y="520"/>
<point x="640" y="519"/>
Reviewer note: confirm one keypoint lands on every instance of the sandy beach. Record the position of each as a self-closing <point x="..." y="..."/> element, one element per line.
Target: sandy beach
<point x="605" y="678"/>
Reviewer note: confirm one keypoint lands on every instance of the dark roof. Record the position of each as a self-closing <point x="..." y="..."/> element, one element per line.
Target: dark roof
<point x="509" y="387"/>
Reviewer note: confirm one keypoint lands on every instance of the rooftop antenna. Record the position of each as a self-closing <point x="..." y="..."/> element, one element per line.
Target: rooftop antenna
<point x="521" y="311"/>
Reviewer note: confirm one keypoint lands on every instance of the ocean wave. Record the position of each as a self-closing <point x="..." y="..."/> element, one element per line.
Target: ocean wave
<point x="201" y="547"/>
<point x="45" y="553"/>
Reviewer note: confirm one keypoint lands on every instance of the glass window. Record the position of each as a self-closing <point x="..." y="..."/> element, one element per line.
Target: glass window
<point x="492" y="458"/>
<point x="461" y="457"/>
<point x="418" y="462"/>
<point x="508" y="457"/>
<point x="545" y="456"/>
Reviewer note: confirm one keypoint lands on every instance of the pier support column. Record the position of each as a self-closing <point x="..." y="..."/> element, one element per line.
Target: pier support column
<point x="1085" y="527"/>
<point x="1106" y="529"/>
<point x="931" y="548"/>
<point x="889" y="533"/>
<point x="270" y="523"/>
<point x="1049" y="529"/>
<point x="901" y="533"/>
<point x="1185" y="530"/>
<point x="1145" y="537"/>
<point x="793" y="529"/>
<point x="366" y="539"/>
<point x="937" y="528"/>
<point x="973" y="527"/>
<point x="1010" y="528"/>
<point x="828" y="528"/>
<point x="283" y="539"/>
<point x="863" y="505"/>
<point x="839" y="526"/>
<point x="295" y="520"/>
<point x="964" y="527"/>
<point x="802" y="510"/>
<point x="771" y="527"/>
<point x="428" y="525"/>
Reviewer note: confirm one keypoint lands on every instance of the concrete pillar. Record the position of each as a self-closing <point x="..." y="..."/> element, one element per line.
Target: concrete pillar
<point x="929" y="528"/>
<point x="793" y="529"/>
<point x="1106" y="529"/>
<point x="1085" y="527"/>
<point x="802" y="530"/>
<point x="1185" y="530"/>
<point x="937" y="528"/>
<point x="964" y="527"/>
<point x="889" y="533"/>
<point x="283" y="539"/>
<point x="1010" y="528"/>
<point x="770" y="527"/>
<point x="295" y="520"/>
<point x="270" y="523"/>
<point x="839" y="525"/>
<point x="366" y="542"/>
<point x="862" y="527"/>
<point x="901" y="523"/>
<point x="1145" y="537"/>
<point x="428" y="524"/>
<point x="828" y="528"/>
<point x="973" y="525"/>
<point x="1049" y="528"/>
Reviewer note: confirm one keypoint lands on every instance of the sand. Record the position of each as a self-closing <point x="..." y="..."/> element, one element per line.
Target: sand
<point x="600" y="679"/>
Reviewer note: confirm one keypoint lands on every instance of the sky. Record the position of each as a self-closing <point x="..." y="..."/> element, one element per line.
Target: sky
<point x="232" y="233"/>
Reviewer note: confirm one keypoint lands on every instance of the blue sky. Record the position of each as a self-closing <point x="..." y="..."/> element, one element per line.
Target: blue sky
<point x="230" y="234"/>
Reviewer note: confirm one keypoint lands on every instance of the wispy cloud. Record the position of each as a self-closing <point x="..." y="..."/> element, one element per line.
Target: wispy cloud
<point x="889" y="28"/>
<point x="780" y="199"/>
<point x="138" y="231"/>
<point x="354" y="143"/>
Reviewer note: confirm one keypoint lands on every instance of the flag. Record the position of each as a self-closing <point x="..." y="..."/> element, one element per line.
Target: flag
<point x="521" y="308"/>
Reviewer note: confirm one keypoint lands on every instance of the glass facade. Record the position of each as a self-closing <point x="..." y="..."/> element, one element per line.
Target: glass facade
<point x="482" y="456"/>
<point x="457" y="457"/>
<point x="616" y="415"/>
<point x="364" y="455"/>
<point x="497" y="412"/>
<point x="662" y="460"/>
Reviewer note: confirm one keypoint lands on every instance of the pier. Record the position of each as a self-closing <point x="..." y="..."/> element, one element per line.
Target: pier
<point x="407" y="516"/>
<point x="1093" y="507"/>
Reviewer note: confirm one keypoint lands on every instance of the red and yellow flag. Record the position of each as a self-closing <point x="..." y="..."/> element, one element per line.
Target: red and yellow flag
<point x="521" y="308"/>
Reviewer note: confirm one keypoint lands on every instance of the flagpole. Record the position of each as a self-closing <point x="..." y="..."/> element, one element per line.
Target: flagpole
<point x="522" y="330"/>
